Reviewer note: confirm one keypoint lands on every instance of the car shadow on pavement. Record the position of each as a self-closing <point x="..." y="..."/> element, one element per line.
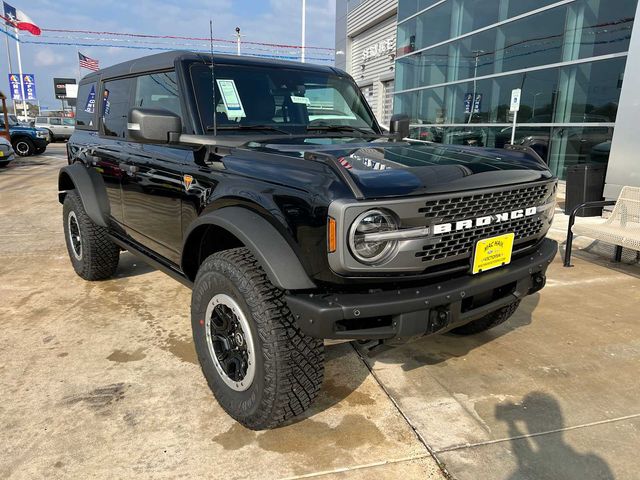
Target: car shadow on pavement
<point x="436" y="349"/>
<point x="540" y="448"/>
<point x="131" y="266"/>
<point x="414" y="354"/>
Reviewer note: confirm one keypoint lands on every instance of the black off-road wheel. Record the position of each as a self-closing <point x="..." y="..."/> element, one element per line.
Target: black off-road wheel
<point x="93" y="255"/>
<point x="488" y="321"/>
<point x="24" y="147"/>
<point x="261" y="368"/>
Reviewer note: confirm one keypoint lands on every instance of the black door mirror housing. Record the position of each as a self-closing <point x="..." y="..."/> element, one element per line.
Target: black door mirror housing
<point x="399" y="126"/>
<point x="154" y="125"/>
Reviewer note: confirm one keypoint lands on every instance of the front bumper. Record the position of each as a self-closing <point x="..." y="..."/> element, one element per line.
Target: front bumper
<point x="40" y="142"/>
<point x="423" y="310"/>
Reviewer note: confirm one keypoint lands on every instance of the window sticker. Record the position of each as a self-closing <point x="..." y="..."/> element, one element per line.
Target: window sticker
<point x="90" y="107"/>
<point x="300" y="100"/>
<point x="106" y="104"/>
<point x="231" y="99"/>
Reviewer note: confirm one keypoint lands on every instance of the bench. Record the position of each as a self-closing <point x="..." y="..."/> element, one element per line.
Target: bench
<point x="622" y="228"/>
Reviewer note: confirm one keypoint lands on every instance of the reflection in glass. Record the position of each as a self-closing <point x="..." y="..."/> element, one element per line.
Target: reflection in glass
<point x="578" y="145"/>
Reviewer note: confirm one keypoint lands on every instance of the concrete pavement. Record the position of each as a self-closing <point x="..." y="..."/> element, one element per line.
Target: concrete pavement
<point x="99" y="379"/>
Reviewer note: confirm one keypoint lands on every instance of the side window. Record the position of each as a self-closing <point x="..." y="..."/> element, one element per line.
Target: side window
<point x="115" y="107"/>
<point x="158" y="90"/>
<point x="86" y="107"/>
<point x="68" y="121"/>
<point x="55" y="121"/>
<point x="41" y="120"/>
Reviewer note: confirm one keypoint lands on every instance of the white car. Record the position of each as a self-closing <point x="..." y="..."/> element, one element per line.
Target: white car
<point x="6" y="152"/>
<point x="59" y="128"/>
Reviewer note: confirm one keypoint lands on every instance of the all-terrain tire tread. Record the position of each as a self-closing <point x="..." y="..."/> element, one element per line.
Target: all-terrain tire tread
<point x="294" y="362"/>
<point x="100" y="254"/>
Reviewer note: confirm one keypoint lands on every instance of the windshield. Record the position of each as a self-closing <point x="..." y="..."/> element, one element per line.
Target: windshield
<point x="279" y="100"/>
<point x="13" y="121"/>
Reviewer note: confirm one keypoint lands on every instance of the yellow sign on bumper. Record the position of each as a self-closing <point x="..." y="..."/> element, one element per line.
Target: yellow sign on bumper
<point x="493" y="252"/>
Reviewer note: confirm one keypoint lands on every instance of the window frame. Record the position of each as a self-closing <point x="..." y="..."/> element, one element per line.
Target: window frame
<point x="99" y="107"/>
<point x="96" y="119"/>
<point x="133" y="77"/>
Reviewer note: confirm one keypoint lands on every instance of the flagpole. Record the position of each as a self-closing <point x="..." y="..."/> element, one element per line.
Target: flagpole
<point x="22" y="93"/>
<point x="304" y="28"/>
<point x="6" y="37"/>
<point x="79" y="67"/>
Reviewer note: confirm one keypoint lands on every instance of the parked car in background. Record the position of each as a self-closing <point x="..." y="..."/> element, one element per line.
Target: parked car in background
<point x="59" y="128"/>
<point x="24" y="139"/>
<point x="6" y="152"/>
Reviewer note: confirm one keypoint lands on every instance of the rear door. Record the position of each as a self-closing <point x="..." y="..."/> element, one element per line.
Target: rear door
<point x="112" y="149"/>
<point x="153" y="185"/>
<point x="87" y="147"/>
<point x="55" y="125"/>
<point x="68" y="125"/>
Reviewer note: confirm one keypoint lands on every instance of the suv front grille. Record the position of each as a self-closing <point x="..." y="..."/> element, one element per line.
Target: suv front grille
<point x="458" y="245"/>
<point x="472" y="206"/>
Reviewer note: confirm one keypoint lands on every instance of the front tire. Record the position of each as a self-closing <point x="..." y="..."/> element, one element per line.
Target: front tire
<point x="488" y="321"/>
<point x="261" y="368"/>
<point x="24" y="147"/>
<point x="92" y="253"/>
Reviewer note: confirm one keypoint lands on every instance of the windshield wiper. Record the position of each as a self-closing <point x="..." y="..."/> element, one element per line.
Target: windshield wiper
<point x="247" y="127"/>
<point x="340" y="128"/>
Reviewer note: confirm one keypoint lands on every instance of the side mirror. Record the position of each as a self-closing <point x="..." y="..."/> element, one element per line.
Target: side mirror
<point x="399" y="126"/>
<point x="153" y="125"/>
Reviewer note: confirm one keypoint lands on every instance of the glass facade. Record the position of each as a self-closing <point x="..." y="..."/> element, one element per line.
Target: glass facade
<point x="458" y="61"/>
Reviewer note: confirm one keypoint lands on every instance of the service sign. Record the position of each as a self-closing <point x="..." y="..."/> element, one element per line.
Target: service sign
<point x="29" y="82"/>
<point x="379" y="49"/>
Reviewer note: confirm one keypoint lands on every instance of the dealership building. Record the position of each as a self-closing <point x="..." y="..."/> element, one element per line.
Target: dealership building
<point x="366" y="48"/>
<point x="457" y="62"/>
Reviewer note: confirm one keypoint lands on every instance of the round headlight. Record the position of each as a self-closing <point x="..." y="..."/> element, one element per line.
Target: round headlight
<point x="363" y="241"/>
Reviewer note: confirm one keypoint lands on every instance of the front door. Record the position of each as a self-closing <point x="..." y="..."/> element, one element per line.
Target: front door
<point x="152" y="198"/>
<point x="152" y="184"/>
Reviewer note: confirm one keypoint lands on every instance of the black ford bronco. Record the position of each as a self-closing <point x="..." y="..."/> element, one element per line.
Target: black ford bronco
<point x="270" y="190"/>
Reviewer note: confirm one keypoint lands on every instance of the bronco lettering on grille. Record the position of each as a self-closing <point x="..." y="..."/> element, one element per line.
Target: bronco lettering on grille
<point x="484" y="221"/>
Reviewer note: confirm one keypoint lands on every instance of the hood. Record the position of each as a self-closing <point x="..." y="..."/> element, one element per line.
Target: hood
<point x="383" y="168"/>
<point x="21" y="128"/>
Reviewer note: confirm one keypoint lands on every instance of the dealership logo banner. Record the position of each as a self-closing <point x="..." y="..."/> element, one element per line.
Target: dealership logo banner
<point x="29" y="81"/>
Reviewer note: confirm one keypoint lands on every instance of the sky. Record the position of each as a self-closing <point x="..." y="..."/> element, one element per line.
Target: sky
<point x="270" y="21"/>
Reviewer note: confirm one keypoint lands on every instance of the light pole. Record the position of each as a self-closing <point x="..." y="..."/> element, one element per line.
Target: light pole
<point x="304" y="27"/>
<point x="477" y="54"/>
<point x="535" y="97"/>
<point x="238" y="41"/>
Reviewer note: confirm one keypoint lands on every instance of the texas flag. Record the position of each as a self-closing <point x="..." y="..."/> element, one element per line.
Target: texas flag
<point x="17" y="18"/>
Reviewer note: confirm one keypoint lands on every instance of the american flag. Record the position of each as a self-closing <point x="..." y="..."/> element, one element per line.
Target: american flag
<point x="88" y="63"/>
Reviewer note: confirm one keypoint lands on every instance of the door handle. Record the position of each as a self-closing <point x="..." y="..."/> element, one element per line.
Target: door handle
<point x="130" y="169"/>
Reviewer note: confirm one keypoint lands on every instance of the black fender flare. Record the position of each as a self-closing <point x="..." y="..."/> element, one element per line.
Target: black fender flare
<point x="269" y="247"/>
<point x="91" y="189"/>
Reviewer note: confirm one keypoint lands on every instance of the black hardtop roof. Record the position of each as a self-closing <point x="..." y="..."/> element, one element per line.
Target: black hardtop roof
<point x="166" y="60"/>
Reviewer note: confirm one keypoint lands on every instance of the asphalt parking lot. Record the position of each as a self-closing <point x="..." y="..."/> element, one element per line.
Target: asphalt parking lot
<point x="99" y="380"/>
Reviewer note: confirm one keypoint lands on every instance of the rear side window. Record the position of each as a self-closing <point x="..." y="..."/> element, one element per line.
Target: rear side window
<point x="68" y="121"/>
<point x="86" y="107"/>
<point x="158" y="90"/>
<point x="115" y="106"/>
<point x="41" y="119"/>
<point x="55" y="121"/>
